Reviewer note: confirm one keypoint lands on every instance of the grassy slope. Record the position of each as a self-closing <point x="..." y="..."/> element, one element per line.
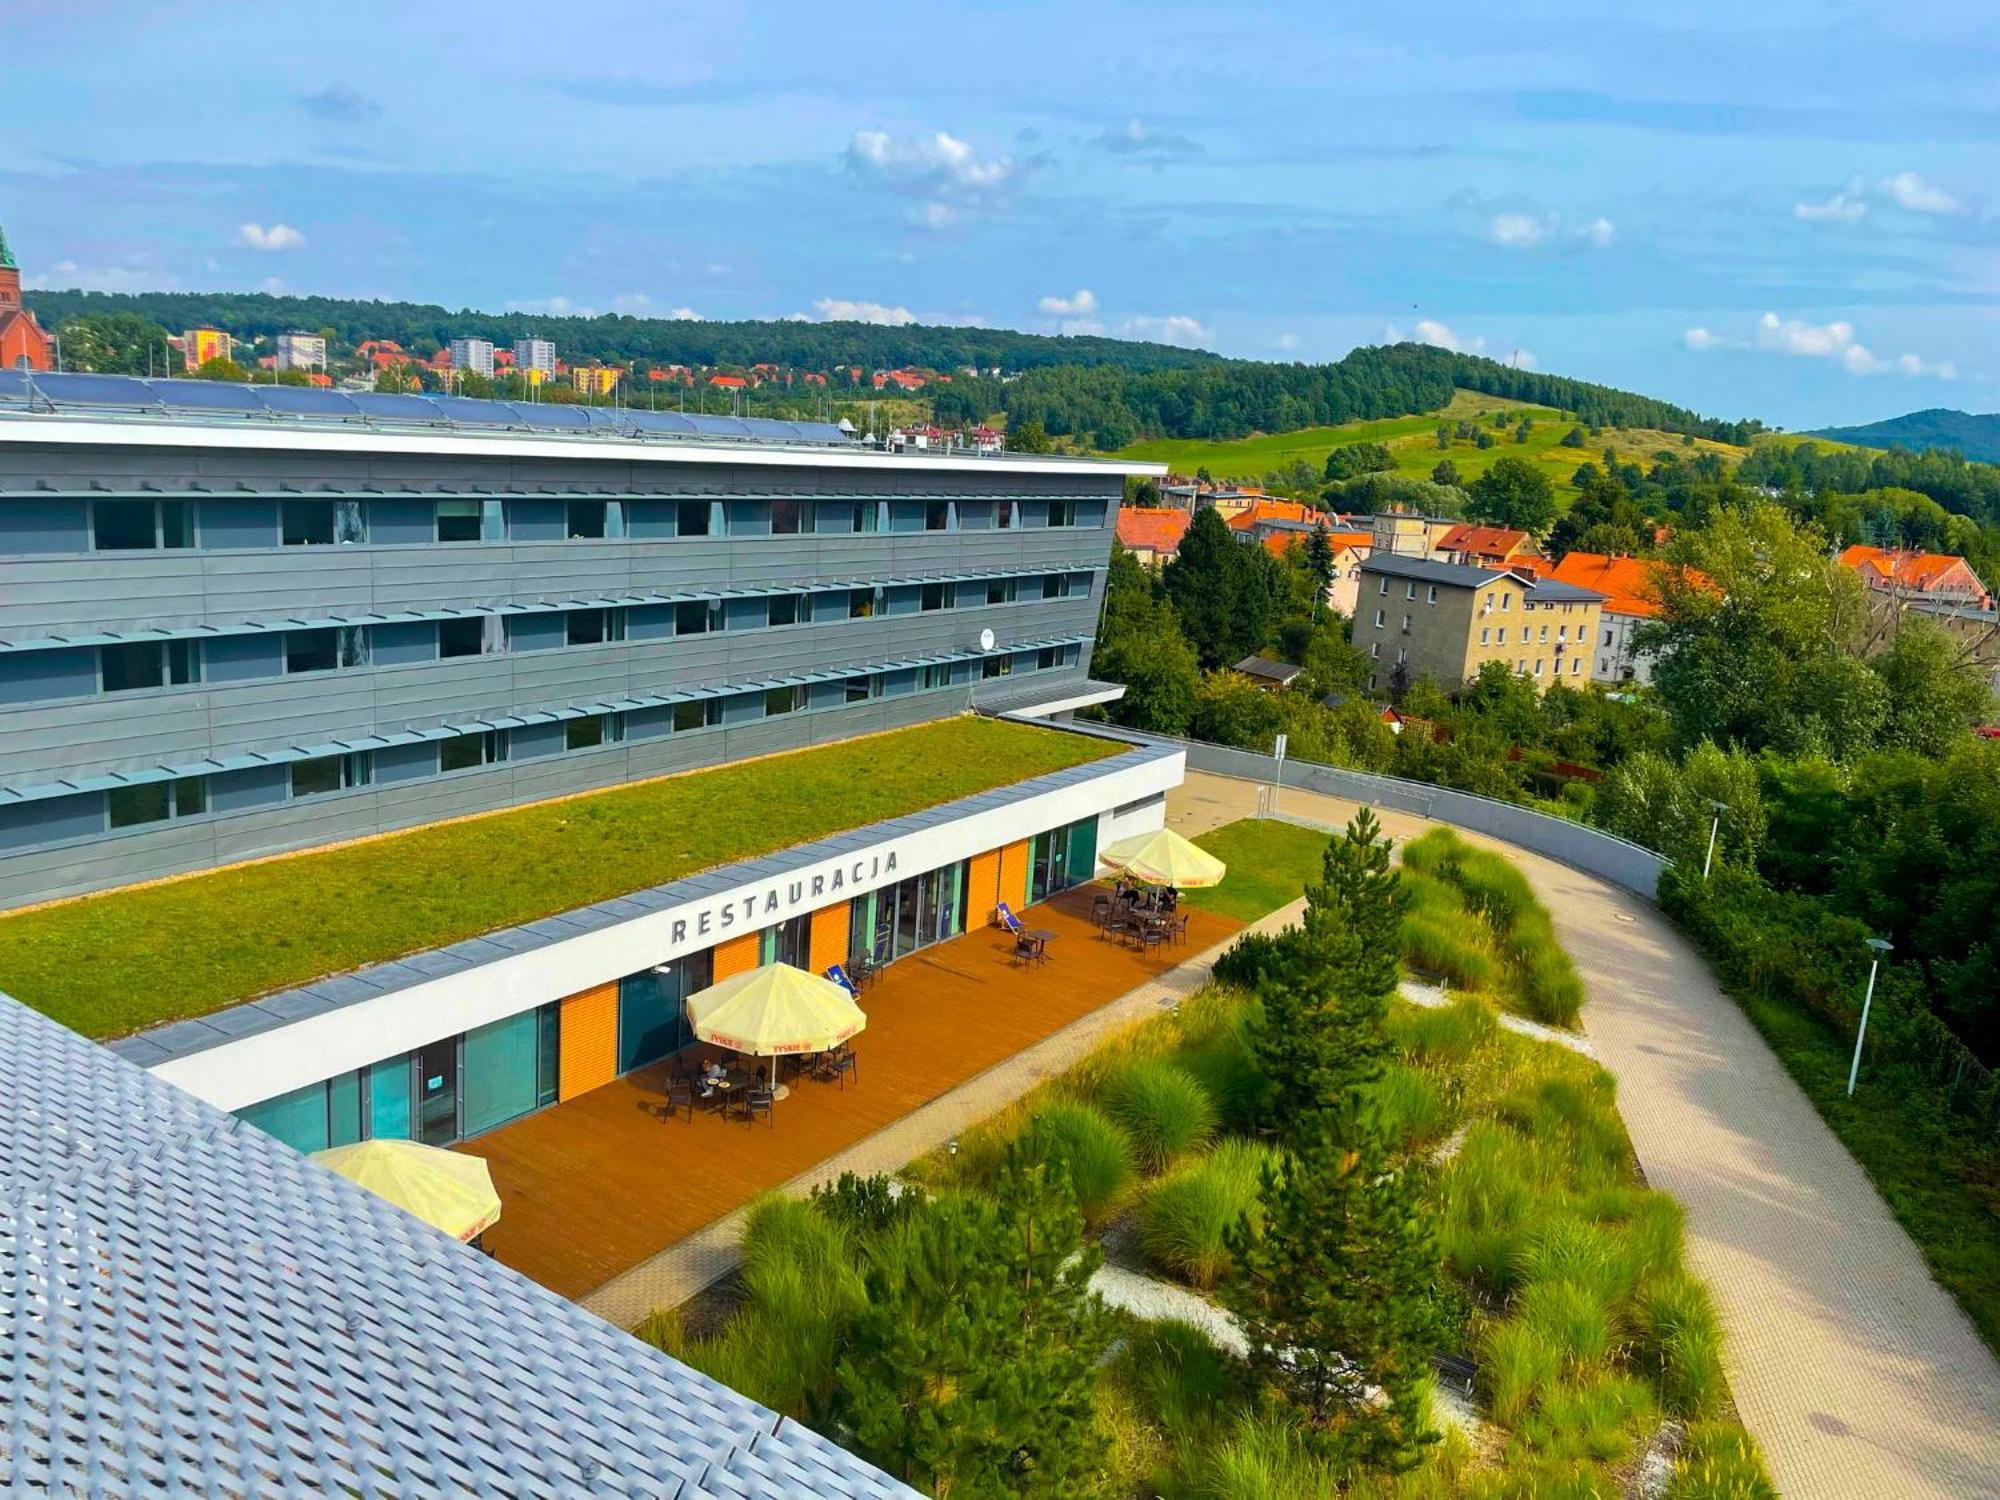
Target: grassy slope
<point x="111" y="964"/>
<point x="1412" y="442"/>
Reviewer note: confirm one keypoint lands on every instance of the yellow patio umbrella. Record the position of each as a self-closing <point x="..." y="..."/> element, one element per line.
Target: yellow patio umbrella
<point x="448" y="1190"/>
<point x="1165" y="858"/>
<point x="775" y="1011"/>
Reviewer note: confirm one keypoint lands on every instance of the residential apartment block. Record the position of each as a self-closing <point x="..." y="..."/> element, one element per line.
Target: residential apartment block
<point x="472" y="355"/>
<point x="1418" y="618"/>
<point x="535" y="358"/>
<point x="301" y="351"/>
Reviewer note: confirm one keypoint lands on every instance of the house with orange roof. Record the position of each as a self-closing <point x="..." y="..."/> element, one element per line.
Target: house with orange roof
<point x="1150" y="534"/>
<point x="1631" y="587"/>
<point x="1936" y="576"/>
<point x="1350" y="550"/>
<point x="1485" y="546"/>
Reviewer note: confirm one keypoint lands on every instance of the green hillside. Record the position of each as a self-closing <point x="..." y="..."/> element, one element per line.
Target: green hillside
<point x="1974" y="435"/>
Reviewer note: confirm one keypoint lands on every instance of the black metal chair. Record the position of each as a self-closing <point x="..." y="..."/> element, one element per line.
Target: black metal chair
<point x="758" y="1102"/>
<point x="680" y="1096"/>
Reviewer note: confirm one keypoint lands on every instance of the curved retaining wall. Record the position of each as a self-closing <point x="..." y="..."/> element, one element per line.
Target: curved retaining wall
<point x="1628" y="865"/>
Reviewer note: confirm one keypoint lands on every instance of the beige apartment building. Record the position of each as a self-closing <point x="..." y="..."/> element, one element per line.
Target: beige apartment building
<point x="1445" y="620"/>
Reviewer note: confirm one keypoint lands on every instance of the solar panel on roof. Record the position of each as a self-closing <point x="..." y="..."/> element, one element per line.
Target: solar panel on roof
<point x="679" y="424"/>
<point x="396" y="408"/>
<point x="205" y="395"/>
<point x="304" y="401"/>
<point x="534" y="414"/>
<point x="469" y="411"/>
<point x="720" y="426"/>
<point x="606" y="418"/>
<point x="97" y="390"/>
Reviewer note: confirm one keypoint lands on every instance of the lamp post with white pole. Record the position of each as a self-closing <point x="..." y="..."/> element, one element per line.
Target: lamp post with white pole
<point x="1714" y="827"/>
<point x="1881" y="946"/>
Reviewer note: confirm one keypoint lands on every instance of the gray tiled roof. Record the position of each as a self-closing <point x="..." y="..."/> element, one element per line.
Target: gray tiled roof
<point x="1425" y="570"/>
<point x="189" y="1307"/>
<point x="185" y="1038"/>
<point x="1555" y="591"/>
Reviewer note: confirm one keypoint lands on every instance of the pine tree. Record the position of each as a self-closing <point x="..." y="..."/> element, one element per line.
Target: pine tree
<point x="971" y="1373"/>
<point x="1337" y="1295"/>
<point x="1319" y="562"/>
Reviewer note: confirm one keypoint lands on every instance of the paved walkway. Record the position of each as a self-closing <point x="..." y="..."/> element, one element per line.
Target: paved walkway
<point x="1855" y="1371"/>
<point x="683" y="1269"/>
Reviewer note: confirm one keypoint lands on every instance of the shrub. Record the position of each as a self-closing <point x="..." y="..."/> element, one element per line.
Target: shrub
<point x="1263" y="1460"/>
<point x="1164" y="1110"/>
<point x="1680" y="1342"/>
<point x="864" y="1205"/>
<point x="1182" y="1378"/>
<point x="1720" y="1462"/>
<point x="1573" y="1319"/>
<point x="1449" y="949"/>
<point x="1090" y="1149"/>
<point x="1517" y="1364"/>
<point x="1411" y="1106"/>
<point x="1603" y="1419"/>
<point x="1244" y="962"/>
<point x="1550" y="989"/>
<point x="1227" y="1069"/>
<point x="1184" y="1222"/>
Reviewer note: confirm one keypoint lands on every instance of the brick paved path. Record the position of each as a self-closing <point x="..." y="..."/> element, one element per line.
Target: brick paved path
<point x="1857" y="1373"/>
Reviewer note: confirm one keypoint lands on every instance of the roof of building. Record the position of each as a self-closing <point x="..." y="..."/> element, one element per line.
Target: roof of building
<point x="195" y="1308"/>
<point x="1630" y="585"/>
<point x="1427" y="570"/>
<point x="1151" y="530"/>
<point x="7" y="262"/>
<point x="1483" y="541"/>
<point x="1265" y="511"/>
<point x="1263" y="666"/>
<point x="1555" y="591"/>
<point x="1912" y="569"/>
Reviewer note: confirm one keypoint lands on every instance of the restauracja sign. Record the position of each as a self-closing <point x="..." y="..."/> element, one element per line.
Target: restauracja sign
<point x="784" y="898"/>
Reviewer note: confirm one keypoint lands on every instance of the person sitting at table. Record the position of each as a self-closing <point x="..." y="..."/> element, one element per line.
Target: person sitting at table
<point x="711" y="1076"/>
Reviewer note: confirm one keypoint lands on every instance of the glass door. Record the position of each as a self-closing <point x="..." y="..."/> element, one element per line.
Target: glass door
<point x="909" y="932"/>
<point x="437" y="1093"/>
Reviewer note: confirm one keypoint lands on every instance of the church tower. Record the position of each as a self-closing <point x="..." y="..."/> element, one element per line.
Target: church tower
<point x="22" y="342"/>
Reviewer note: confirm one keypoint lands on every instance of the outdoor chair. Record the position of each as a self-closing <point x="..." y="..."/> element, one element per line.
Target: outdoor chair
<point x="680" y="1096"/>
<point x="758" y="1102"/>
<point x="1005" y="916"/>
<point x="1024" y="948"/>
<point x="1100" y="910"/>
<point x="838" y="975"/>
<point x="834" y="1066"/>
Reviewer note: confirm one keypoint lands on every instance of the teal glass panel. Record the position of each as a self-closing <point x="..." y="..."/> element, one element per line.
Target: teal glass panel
<point x="1082" y="851"/>
<point x="298" y="1118"/>
<point x="343" y="1108"/>
<point x="649" y="1019"/>
<point x="497" y="1083"/>
<point x="389" y="1099"/>
<point x="548" y="1052"/>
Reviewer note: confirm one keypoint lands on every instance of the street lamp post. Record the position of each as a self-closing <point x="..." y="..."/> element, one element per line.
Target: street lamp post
<point x="1714" y="827"/>
<point x="1881" y="946"/>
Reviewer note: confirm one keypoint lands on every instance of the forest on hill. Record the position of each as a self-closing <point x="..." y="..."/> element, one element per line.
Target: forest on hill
<point x="1974" y="435"/>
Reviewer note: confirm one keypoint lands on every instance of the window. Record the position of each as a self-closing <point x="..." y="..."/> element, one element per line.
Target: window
<point x="321" y="523"/>
<point x="1000" y="590"/>
<point x="1062" y="512"/>
<point x="861" y="604"/>
<point x="325" y="650"/>
<point x="1380" y="619"/>
<point x="140" y="525"/>
<point x="1575" y="665"/>
<point x="1003" y="514"/>
<point x="697" y="715"/>
<point x="590" y="520"/>
<point x="1375" y="649"/>
<point x="692" y="616"/>
<point x="1538" y="666"/>
<point x="1055" y="585"/>
<point x="464" y="752"/>
<point x="1545" y="635"/>
<point x="938" y="675"/>
<point x="330" y="773"/>
<point x="465" y="637"/>
<point x="148" y="664"/>
<point x="997" y="666"/>
<point x="861" y="689"/>
<point x="593" y="627"/>
<point x="1406" y="624"/>
<point x="1402" y="655"/>
<point x="1483" y="634"/>
<point x="588" y="733"/>
<point x="1410" y="589"/>
<point x="787" y="517"/>
<point x="935" y="597"/>
<point x="155" y="801"/>
<point x="782" y="700"/>
<point x="691" y="518"/>
<point x="1046" y="660"/>
<point x="1500" y="636"/>
<point x="1506" y="600"/>
<point x="785" y="609"/>
<point x="1433" y="595"/>
<point x="937" y="515"/>
<point x="1562" y="632"/>
<point x="470" y="520"/>
<point x="1607" y="637"/>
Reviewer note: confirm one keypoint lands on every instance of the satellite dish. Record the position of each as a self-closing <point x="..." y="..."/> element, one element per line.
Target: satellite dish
<point x="985" y="640"/>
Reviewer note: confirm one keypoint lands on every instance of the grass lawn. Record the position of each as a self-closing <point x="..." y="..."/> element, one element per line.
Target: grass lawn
<point x="1412" y="442"/>
<point x="112" y="964"/>
<point x="1269" y="865"/>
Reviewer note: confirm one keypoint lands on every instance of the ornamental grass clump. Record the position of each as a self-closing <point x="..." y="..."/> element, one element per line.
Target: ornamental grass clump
<point x="1680" y="1342"/>
<point x="1412" y="1106"/>
<point x="1163" y="1109"/>
<point x="1186" y="1218"/>
<point x="1602" y="1418"/>
<point x="1720" y="1462"/>
<point x="1183" y="1380"/>
<point x="1090" y="1149"/>
<point x="1445" y="1037"/>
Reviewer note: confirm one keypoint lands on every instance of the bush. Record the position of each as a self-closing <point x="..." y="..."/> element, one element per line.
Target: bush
<point x="1449" y="951"/>
<point x="864" y="1205"/>
<point x="1245" y="961"/>
<point x="1090" y="1149"/>
<point x="1163" y="1109"/>
<point x="1681" y="1343"/>
<point x="1720" y="1463"/>
<point x="1446" y="1036"/>
<point x="1602" y="1419"/>
<point x="1411" y="1106"/>
<point x="1186" y="1217"/>
<point x="1263" y="1460"/>
<point x="1182" y="1378"/>
<point x="1570" y="1317"/>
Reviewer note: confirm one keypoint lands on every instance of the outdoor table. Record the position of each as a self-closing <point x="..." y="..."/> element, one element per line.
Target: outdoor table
<point x="1042" y="937"/>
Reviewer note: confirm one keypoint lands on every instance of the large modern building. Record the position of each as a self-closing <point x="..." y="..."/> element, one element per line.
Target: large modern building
<point x="301" y="351"/>
<point x="238" y="621"/>
<point x="472" y="355"/>
<point x="535" y="358"/>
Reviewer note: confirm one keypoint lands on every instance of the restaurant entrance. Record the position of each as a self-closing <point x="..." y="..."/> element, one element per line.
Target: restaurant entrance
<point x="897" y="920"/>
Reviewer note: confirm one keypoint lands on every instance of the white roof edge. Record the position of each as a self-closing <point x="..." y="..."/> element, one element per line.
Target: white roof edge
<point x="265" y="437"/>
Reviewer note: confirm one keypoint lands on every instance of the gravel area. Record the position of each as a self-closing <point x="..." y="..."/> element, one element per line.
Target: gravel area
<point x="1435" y="997"/>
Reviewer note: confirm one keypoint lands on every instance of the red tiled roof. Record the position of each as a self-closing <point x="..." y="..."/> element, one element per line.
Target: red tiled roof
<point x="1630" y="585"/>
<point x="1917" y="570"/>
<point x="1497" y="542"/>
<point x="1275" y="510"/>
<point x="1141" y="528"/>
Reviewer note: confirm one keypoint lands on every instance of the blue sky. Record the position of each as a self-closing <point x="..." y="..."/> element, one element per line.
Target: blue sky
<point x="1789" y="210"/>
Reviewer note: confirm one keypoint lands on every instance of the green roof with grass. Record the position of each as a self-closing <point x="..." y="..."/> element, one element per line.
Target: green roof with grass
<point x="119" y="962"/>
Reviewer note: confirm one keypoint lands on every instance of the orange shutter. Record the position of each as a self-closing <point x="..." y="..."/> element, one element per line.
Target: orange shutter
<point x="1014" y="875"/>
<point x="589" y="1040"/>
<point x="736" y="956"/>
<point x="982" y="886"/>
<point x="829" y="937"/>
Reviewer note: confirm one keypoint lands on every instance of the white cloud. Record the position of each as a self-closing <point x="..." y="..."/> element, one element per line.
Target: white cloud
<point x="1175" y="328"/>
<point x="1911" y="192"/>
<point x="1136" y="139"/>
<point x="67" y="275"/>
<point x="1444" y="336"/>
<point x="1288" y="341"/>
<point x="1841" y="207"/>
<point x="1701" y="338"/>
<point x="1836" y="341"/>
<point x="686" y="315"/>
<point x="1910" y="364"/>
<point x="1078" y="314"/>
<point x="840" y="310"/>
<point x="1517" y="231"/>
<point x="1599" y="232"/>
<point x="550" y="307"/>
<point x="277" y="237"/>
<point x="948" y="174"/>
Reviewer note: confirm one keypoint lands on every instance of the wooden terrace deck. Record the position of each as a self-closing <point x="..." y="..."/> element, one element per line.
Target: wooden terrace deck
<point x="596" y="1185"/>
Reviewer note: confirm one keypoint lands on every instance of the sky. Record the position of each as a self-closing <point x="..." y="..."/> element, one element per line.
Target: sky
<point x="1788" y="210"/>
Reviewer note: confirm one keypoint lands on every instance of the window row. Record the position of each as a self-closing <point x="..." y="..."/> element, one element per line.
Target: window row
<point x="130" y="666"/>
<point x="218" y="522"/>
<point x="84" y="814"/>
<point x="1528" y="635"/>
